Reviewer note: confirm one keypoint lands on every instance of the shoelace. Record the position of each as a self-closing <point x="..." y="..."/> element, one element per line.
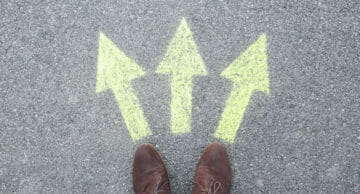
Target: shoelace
<point x="214" y="186"/>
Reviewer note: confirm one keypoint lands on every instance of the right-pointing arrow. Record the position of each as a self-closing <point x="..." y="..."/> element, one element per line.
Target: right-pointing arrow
<point x="248" y="73"/>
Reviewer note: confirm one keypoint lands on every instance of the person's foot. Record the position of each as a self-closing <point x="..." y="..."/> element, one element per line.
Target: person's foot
<point x="149" y="172"/>
<point x="213" y="173"/>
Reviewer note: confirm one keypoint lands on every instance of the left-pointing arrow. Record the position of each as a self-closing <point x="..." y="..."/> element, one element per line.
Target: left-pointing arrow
<point x="115" y="71"/>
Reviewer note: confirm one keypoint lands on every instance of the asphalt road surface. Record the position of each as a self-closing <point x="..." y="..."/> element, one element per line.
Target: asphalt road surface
<point x="59" y="136"/>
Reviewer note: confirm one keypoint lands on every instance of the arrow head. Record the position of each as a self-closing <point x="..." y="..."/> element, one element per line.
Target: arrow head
<point x="114" y="67"/>
<point x="250" y="68"/>
<point x="182" y="56"/>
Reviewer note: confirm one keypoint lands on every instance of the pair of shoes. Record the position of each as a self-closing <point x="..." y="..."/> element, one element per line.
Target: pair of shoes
<point x="212" y="176"/>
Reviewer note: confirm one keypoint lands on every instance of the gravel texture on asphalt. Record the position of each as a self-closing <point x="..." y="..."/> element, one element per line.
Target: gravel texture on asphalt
<point x="59" y="136"/>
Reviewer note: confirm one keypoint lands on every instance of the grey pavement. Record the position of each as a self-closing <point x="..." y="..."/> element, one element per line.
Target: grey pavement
<point x="59" y="136"/>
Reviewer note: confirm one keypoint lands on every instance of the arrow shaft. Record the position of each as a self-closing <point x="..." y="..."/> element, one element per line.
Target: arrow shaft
<point x="181" y="92"/>
<point x="233" y="113"/>
<point x="131" y="111"/>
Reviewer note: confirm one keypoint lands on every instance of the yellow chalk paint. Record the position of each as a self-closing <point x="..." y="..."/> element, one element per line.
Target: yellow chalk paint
<point x="248" y="73"/>
<point x="115" y="71"/>
<point x="182" y="61"/>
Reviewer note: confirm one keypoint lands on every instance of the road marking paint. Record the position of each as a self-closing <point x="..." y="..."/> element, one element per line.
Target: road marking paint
<point x="248" y="73"/>
<point x="182" y="61"/>
<point x="115" y="71"/>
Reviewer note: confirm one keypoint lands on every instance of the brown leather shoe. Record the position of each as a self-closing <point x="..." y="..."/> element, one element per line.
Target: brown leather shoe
<point x="213" y="173"/>
<point x="149" y="172"/>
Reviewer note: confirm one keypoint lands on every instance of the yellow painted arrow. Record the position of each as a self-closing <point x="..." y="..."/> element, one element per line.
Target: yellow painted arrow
<point x="248" y="73"/>
<point x="115" y="71"/>
<point x="182" y="61"/>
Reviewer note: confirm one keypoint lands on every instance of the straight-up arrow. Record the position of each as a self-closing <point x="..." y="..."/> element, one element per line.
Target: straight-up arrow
<point x="182" y="61"/>
<point x="115" y="71"/>
<point x="248" y="73"/>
